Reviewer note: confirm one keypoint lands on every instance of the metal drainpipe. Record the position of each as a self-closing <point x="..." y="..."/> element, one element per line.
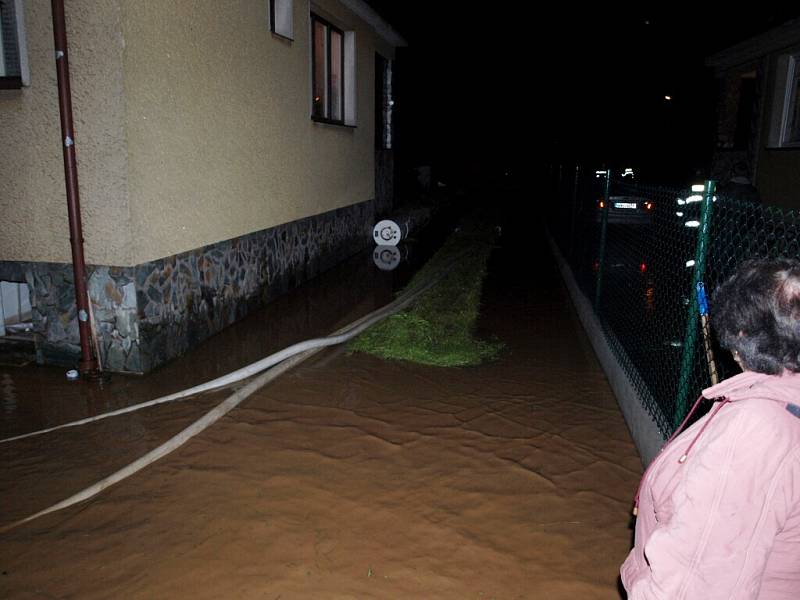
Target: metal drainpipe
<point x="88" y="363"/>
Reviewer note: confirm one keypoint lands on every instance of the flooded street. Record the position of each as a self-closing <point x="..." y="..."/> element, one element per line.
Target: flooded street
<point x="349" y="477"/>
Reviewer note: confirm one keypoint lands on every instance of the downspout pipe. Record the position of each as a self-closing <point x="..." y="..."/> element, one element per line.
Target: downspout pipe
<point x="88" y="363"/>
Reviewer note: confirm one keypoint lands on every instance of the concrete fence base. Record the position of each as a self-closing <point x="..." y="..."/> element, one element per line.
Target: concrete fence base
<point x="646" y="434"/>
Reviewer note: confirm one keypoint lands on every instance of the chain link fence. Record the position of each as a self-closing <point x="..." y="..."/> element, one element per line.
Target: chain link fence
<point x="639" y="252"/>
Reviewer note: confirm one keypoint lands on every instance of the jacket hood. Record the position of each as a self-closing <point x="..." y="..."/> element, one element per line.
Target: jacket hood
<point x="780" y="388"/>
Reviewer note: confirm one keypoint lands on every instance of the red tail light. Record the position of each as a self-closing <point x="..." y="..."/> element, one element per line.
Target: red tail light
<point x="643" y="267"/>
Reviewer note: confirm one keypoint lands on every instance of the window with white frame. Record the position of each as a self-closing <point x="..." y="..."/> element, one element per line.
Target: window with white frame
<point x="280" y="18"/>
<point x="13" y="59"/>
<point x="333" y="73"/>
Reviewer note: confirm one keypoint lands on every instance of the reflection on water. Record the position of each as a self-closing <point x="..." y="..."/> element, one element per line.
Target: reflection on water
<point x="8" y="393"/>
<point x="650" y="299"/>
<point x="33" y="397"/>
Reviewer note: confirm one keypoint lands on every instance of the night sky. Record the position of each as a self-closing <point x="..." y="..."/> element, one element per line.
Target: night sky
<point x="576" y="84"/>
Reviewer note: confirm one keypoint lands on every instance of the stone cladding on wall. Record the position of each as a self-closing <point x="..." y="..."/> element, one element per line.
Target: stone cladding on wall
<point x="150" y="313"/>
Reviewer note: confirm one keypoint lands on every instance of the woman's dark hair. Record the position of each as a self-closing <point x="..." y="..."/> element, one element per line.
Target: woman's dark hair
<point x="756" y="313"/>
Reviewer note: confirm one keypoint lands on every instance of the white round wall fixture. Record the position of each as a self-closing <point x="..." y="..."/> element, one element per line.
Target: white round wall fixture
<point x="388" y="233"/>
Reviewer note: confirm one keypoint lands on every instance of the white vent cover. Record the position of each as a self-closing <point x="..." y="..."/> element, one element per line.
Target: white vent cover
<point x="389" y="233"/>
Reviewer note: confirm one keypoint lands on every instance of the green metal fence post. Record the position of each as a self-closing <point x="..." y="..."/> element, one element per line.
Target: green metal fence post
<point x="690" y="339"/>
<point x="601" y="253"/>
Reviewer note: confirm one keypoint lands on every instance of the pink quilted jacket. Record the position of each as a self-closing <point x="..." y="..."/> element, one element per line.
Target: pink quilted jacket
<point x="719" y="507"/>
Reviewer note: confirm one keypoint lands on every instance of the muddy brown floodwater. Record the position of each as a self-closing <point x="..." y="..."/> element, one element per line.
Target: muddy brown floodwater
<point x="349" y="477"/>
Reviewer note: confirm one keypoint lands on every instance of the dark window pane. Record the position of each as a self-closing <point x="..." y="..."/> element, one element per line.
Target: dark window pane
<point x="320" y="61"/>
<point x="336" y="76"/>
<point x="9" y="51"/>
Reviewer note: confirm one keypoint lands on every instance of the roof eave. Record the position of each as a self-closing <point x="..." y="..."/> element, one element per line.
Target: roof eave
<point x="756" y="47"/>
<point x="381" y="27"/>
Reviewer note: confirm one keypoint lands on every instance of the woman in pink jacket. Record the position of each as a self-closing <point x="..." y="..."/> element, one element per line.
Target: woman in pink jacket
<point x="719" y="507"/>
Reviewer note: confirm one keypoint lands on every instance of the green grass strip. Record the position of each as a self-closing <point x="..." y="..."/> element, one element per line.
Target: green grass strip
<point x="438" y="329"/>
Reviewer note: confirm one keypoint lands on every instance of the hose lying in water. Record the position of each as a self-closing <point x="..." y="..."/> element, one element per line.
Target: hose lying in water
<point x="238" y="375"/>
<point x="291" y="356"/>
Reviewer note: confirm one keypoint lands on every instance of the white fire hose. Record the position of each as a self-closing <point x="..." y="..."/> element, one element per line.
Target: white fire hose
<point x="288" y="357"/>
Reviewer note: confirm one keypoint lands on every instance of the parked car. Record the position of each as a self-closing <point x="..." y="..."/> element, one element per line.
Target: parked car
<point x="627" y="210"/>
